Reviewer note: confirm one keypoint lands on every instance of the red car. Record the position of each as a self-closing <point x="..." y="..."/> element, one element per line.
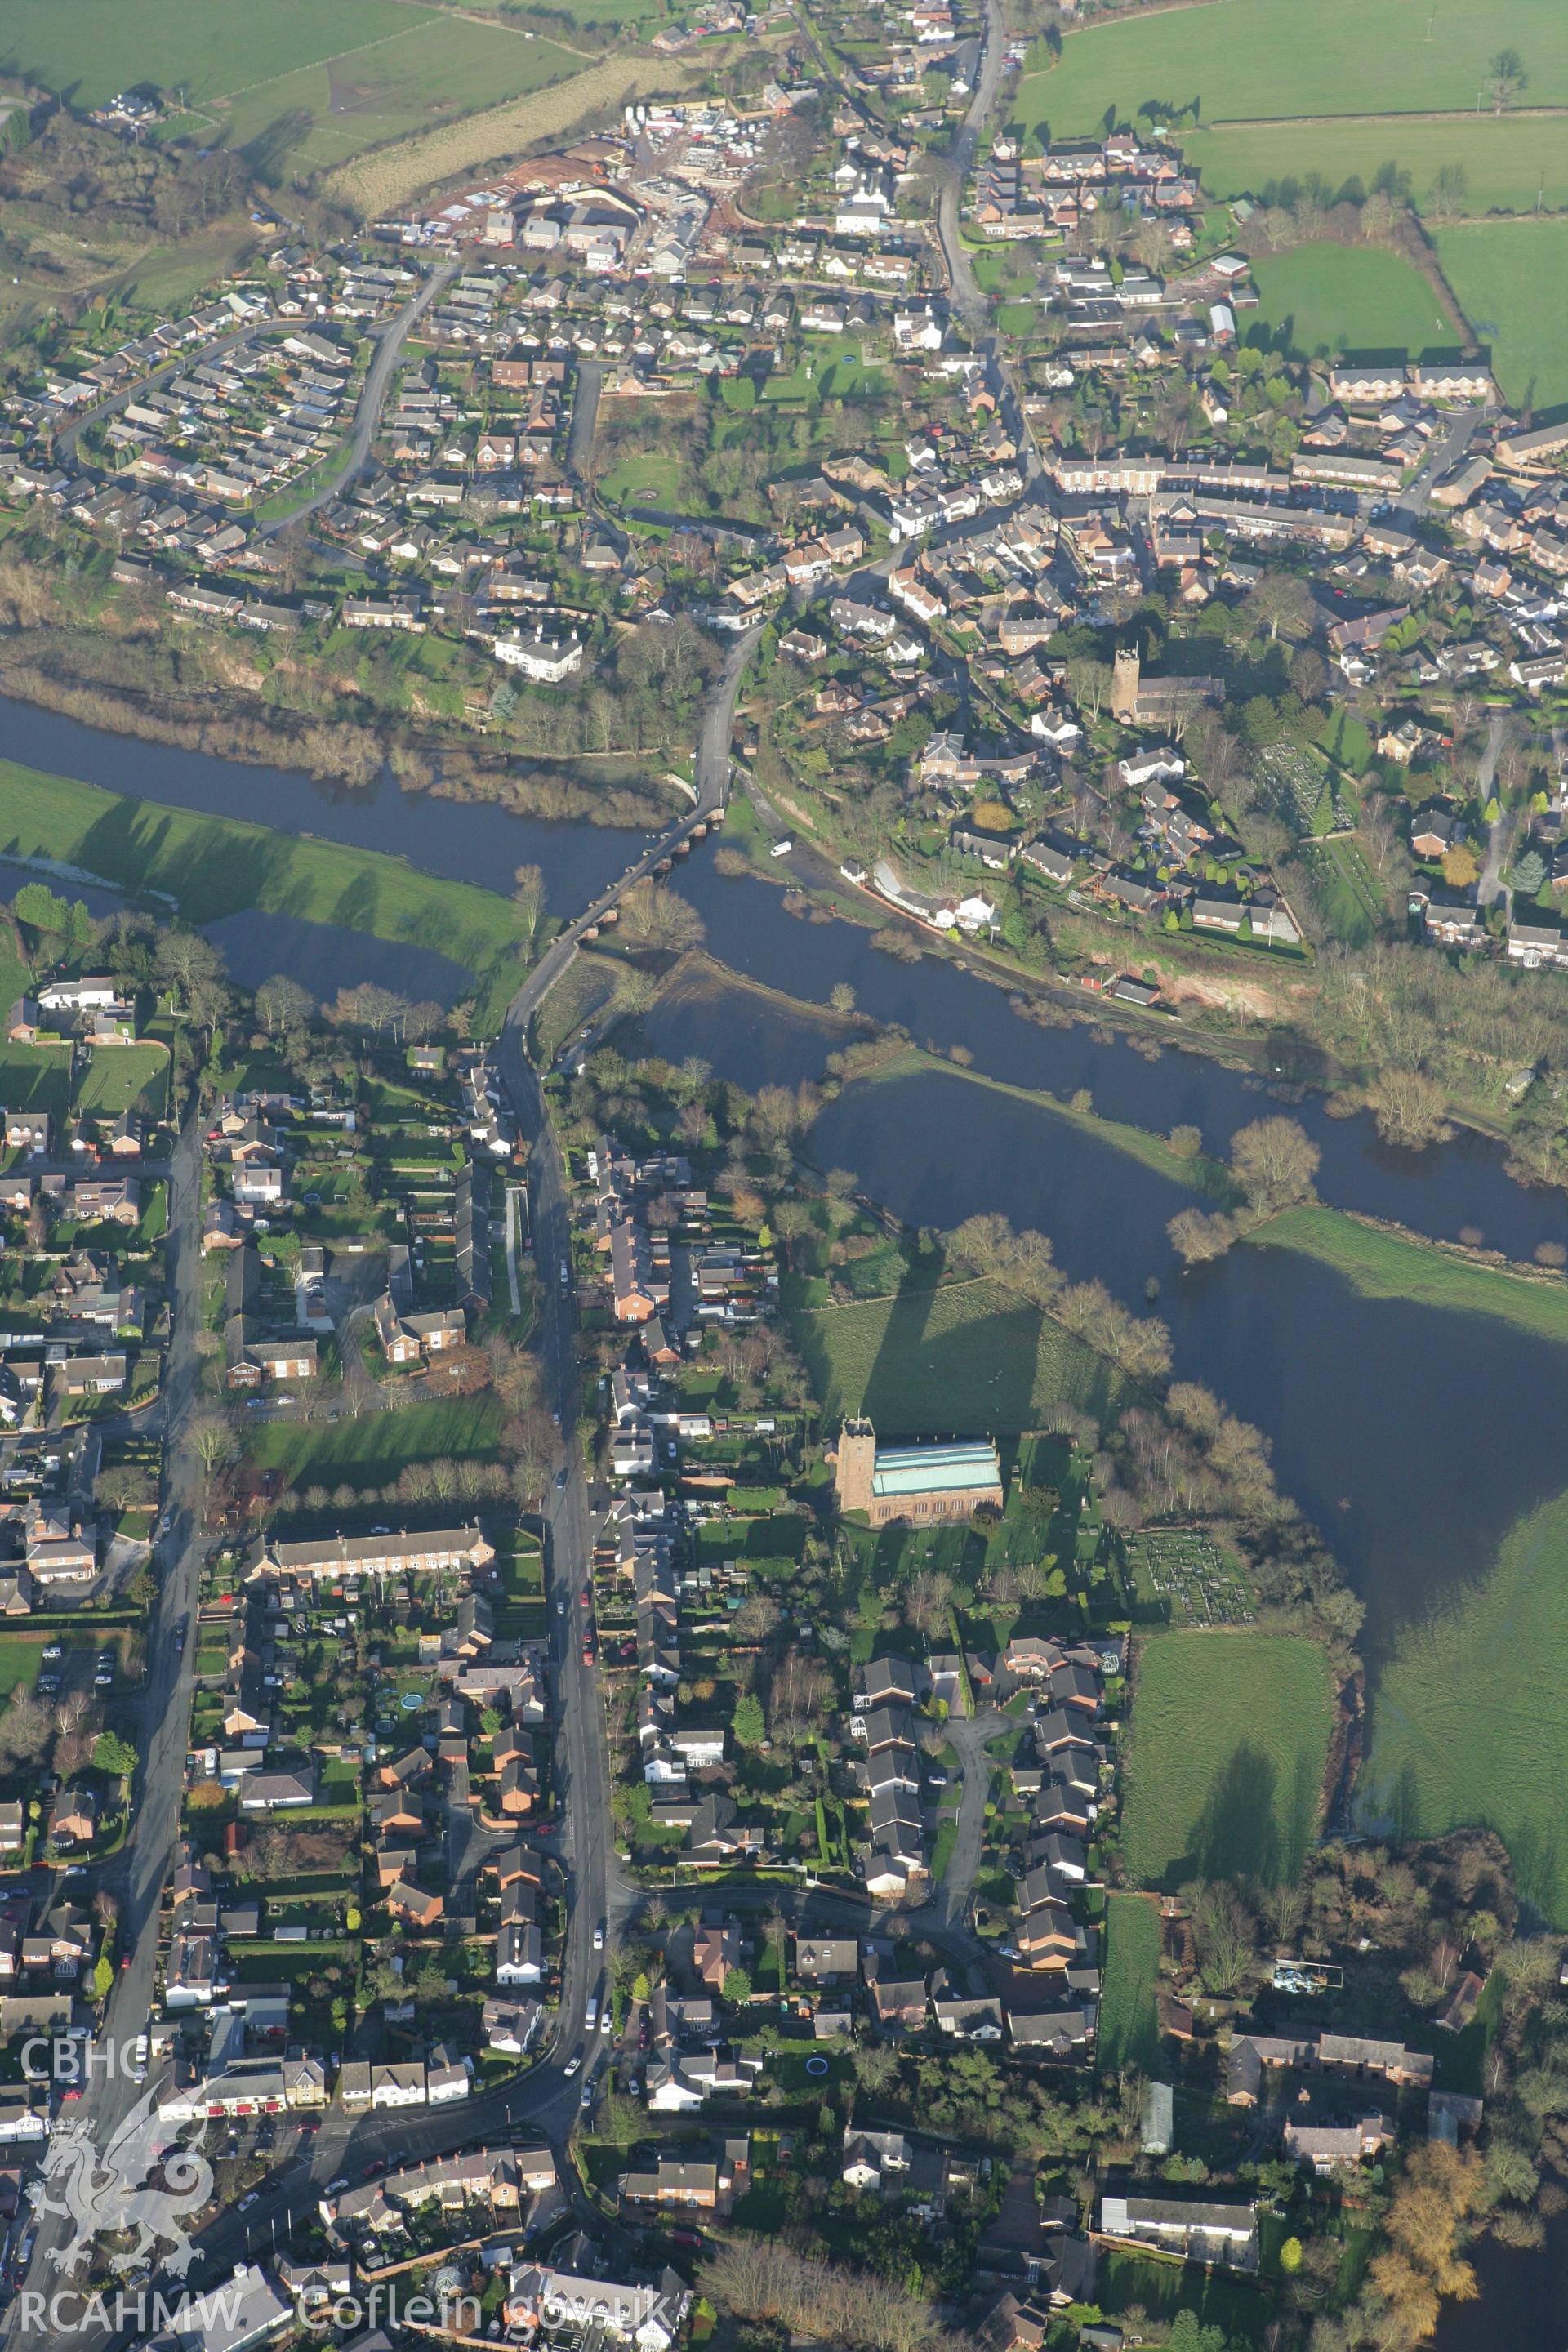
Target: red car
<point x="587" y="1654"/>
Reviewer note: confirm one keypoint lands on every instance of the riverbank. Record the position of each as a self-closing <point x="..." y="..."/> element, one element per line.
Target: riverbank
<point x="1379" y="1261"/>
<point x="211" y="867"/>
<point x="353" y="755"/>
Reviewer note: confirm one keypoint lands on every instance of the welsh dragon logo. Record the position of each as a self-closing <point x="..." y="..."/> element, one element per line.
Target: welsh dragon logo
<point x="110" y="2190"/>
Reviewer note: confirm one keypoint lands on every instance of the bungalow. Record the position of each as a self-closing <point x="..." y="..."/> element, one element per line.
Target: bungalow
<point x="1218" y="2235"/>
<point x="270" y="1793"/>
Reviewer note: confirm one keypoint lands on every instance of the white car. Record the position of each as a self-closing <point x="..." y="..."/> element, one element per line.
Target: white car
<point x="599" y="1936"/>
<point x="572" y="2066"/>
<point x="607" y="2022"/>
<point x="781" y="849"/>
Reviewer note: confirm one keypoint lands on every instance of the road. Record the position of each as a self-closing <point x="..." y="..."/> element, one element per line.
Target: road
<point x="66" y="440"/>
<point x="712" y="775"/>
<point x="1441" y="459"/>
<point x="390" y="341"/>
<point x="969" y="302"/>
<point x="585" y="420"/>
<point x="1499" y="835"/>
<point x="136" y="1875"/>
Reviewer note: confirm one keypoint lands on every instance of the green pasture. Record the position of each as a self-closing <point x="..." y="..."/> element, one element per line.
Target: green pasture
<point x="1469" y="1724"/>
<point x="300" y="82"/>
<point x="1510" y="161"/>
<point x="1129" y="2024"/>
<point x="960" y="1356"/>
<point x="196" y="50"/>
<point x="1228" y="1742"/>
<point x="1507" y="278"/>
<point x="213" y="866"/>
<point x="1328" y="297"/>
<point x="418" y="77"/>
<point x="1382" y="1264"/>
<point x="1275" y="60"/>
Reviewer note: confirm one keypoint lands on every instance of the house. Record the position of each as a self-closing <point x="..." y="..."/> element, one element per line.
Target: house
<point x="715" y="1950"/>
<point x="827" y="1962"/>
<point x="1326" y="2146"/>
<point x="872" y="2159"/>
<point x="411" y="1907"/>
<point x="1217" y="2235"/>
<point x="270" y="1793"/>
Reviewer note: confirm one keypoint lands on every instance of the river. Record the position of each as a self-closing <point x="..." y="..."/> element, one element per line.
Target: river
<point x="463" y="841"/>
<point x="1414" y="1437"/>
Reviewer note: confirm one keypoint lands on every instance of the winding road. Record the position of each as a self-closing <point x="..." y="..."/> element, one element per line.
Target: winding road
<point x="390" y="341"/>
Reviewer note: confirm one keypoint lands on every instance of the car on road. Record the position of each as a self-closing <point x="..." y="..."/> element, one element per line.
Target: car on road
<point x="52" y="1650"/>
<point x="561" y="1482"/>
<point x="574" y="2066"/>
<point x="565" y="1275"/>
<point x="593" y="2016"/>
<point x="333" y="2186"/>
<point x="103" y="1679"/>
<point x="781" y="848"/>
<point x="246" y="2202"/>
<point x="180" y="1635"/>
<point x="588" y="2099"/>
<point x="587" y="1596"/>
<point x="587" y="1654"/>
<point x="599" y="1936"/>
<point x="560" y="1608"/>
<point x="606" y="2023"/>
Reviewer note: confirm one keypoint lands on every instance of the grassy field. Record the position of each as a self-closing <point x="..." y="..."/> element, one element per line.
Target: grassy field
<point x="1385" y="1265"/>
<point x="36" y="1077"/>
<point x="652" y="480"/>
<point x="1268" y="58"/>
<point x="1229" y="1738"/>
<point x="1507" y="276"/>
<point x="213" y="865"/>
<point x="198" y="50"/>
<point x="1129" y="2026"/>
<point x="1471" y="1720"/>
<point x="373" y="1449"/>
<point x="125" y="1078"/>
<point x="1509" y="159"/>
<point x="419" y="78"/>
<point x="1337" y="298"/>
<point x="302" y="84"/>
<point x="960" y="1356"/>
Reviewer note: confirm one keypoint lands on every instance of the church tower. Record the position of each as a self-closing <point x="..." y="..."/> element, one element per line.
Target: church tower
<point x="1125" y="685"/>
<point x="857" y="1465"/>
